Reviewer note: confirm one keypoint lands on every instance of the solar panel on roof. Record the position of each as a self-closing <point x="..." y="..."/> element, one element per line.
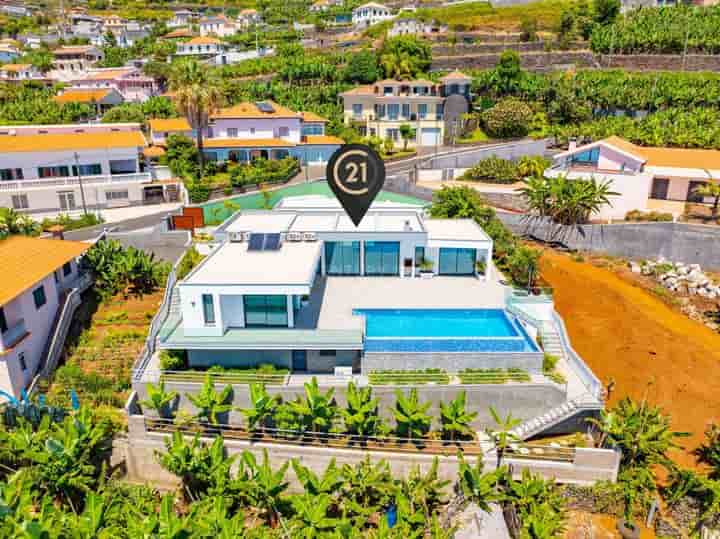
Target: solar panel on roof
<point x="272" y="242"/>
<point x="264" y="106"/>
<point x="256" y="242"/>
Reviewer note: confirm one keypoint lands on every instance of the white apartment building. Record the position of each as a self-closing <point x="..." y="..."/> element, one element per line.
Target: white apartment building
<point x="217" y="25"/>
<point x="59" y="168"/>
<point x="369" y="14"/>
<point x="36" y="273"/>
<point x="70" y="61"/>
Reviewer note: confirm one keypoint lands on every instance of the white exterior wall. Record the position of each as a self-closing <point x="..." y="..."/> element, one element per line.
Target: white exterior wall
<point x="38" y="322"/>
<point x="257" y="128"/>
<point x="30" y="161"/>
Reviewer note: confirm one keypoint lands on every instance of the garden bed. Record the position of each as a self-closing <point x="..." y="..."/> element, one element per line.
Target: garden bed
<point x="419" y="377"/>
<point x="493" y="376"/>
<point x="219" y="375"/>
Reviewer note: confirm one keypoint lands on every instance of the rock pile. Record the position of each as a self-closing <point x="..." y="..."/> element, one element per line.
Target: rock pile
<point x="679" y="277"/>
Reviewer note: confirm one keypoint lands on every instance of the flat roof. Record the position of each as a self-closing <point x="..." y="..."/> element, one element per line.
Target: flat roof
<point x="332" y="203"/>
<point x="267" y="221"/>
<point x="455" y="229"/>
<point x="294" y="264"/>
<point x="26" y="261"/>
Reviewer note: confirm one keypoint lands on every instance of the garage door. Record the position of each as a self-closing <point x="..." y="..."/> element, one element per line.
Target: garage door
<point x="430" y="136"/>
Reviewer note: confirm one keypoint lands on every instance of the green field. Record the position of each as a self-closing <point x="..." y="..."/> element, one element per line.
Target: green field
<point x="216" y="212"/>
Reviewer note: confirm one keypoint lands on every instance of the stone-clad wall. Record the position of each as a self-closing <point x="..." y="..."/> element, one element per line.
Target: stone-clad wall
<point x="467" y="49"/>
<point x="452" y="362"/>
<point x="535" y="61"/>
<point x="523" y="400"/>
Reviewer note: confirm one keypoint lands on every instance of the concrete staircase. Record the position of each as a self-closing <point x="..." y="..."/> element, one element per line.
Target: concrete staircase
<point x="554" y="416"/>
<point x="551" y="341"/>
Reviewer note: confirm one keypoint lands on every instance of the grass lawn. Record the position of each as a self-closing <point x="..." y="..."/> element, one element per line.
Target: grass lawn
<point x="215" y="212"/>
<point x="482" y="16"/>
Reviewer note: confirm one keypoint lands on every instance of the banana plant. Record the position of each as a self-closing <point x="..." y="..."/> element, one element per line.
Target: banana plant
<point x="361" y="415"/>
<point x="479" y="487"/>
<point x="328" y="483"/>
<point x="318" y="410"/>
<point x="209" y="402"/>
<point x="159" y="399"/>
<point x="263" y="408"/>
<point x="456" y="420"/>
<point x="367" y="487"/>
<point x="502" y="435"/>
<point x="264" y="486"/>
<point x="312" y="518"/>
<point x="411" y="415"/>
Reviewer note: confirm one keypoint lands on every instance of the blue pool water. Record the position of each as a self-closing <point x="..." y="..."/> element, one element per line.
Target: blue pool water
<point x="443" y="330"/>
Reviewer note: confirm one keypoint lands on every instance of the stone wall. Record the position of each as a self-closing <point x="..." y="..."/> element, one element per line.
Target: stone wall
<point x="661" y="62"/>
<point x="681" y="242"/>
<point x="468" y="49"/>
<point x="523" y="400"/>
<point x="452" y="362"/>
<point x="137" y="456"/>
<point x="533" y="61"/>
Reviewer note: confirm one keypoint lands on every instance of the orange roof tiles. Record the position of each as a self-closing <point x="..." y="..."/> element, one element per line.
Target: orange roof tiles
<point x="153" y="151"/>
<point x="204" y="41"/>
<point x="322" y="139"/>
<point x="669" y="157"/>
<point x="250" y="110"/>
<point x="312" y="117"/>
<point x="26" y="261"/>
<point x="180" y="32"/>
<point x="247" y="143"/>
<point x="455" y="75"/>
<point x="82" y="95"/>
<point x="170" y="124"/>
<point x="15" y="67"/>
<point x="71" y="141"/>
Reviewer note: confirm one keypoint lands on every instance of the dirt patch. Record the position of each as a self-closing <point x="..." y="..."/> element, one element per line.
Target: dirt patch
<point x="583" y="525"/>
<point x="645" y="346"/>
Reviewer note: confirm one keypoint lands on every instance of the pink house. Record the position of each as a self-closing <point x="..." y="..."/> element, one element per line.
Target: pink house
<point x="646" y="178"/>
<point x="129" y="81"/>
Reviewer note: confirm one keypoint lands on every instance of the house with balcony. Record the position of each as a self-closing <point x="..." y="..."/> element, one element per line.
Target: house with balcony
<point x="266" y="130"/>
<point x="70" y="61"/>
<point x="51" y="169"/>
<point x="201" y="47"/>
<point x="380" y="109"/>
<point x="369" y="14"/>
<point x="645" y="178"/>
<point x="37" y="273"/>
<point x="16" y="73"/>
<point x="217" y="25"/>
<point x="131" y="83"/>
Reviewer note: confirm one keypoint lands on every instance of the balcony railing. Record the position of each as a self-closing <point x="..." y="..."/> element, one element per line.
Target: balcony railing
<point x="14" y="333"/>
<point x="73" y="180"/>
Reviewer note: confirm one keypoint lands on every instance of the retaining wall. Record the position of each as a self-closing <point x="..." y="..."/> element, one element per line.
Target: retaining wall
<point x="465" y="49"/>
<point x="681" y="242"/>
<point x="452" y="362"/>
<point x="514" y="149"/>
<point x="137" y="456"/>
<point x="523" y="400"/>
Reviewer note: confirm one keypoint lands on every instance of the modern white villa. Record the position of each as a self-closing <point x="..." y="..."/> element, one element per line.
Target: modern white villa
<point x="369" y="14"/>
<point x="31" y="295"/>
<point x="646" y="178"/>
<point x="59" y="168"/>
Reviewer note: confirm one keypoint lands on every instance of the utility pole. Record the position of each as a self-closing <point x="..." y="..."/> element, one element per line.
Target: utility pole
<point x="79" y="178"/>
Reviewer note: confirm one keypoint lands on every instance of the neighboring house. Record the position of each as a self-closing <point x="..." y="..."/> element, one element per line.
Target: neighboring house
<point x="131" y="82"/>
<point x="90" y="30"/>
<point x="369" y="14"/>
<point x="9" y="51"/>
<point x="409" y="26"/>
<point x="284" y="287"/>
<point x="179" y="33"/>
<point x="203" y="47"/>
<point x="381" y="108"/>
<point x="233" y="57"/>
<point x="16" y="10"/>
<point x="217" y="25"/>
<point x="70" y="61"/>
<point x="36" y="275"/>
<point x="267" y="130"/>
<point x="101" y="99"/>
<point x="180" y="18"/>
<point x="247" y="18"/>
<point x="161" y="128"/>
<point x="20" y="73"/>
<point x="646" y="178"/>
<point x="40" y="165"/>
<point x="324" y="5"/>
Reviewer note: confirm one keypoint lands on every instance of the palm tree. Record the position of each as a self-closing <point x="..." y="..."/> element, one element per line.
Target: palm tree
<point x="361" y="414"/>
<point x="455" y="419"/>
<point x="209" y="402"/>
<point x="502" y="435"/>
<point x="263" y="407"/>
<point x="411" y="415"/>
<point x="710" y="190"/>
<point x="197" y="95"/>
<point x="159" y="399"/>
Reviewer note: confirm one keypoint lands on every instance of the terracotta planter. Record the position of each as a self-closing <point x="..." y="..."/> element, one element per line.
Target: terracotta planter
<point x="626" y="531"/>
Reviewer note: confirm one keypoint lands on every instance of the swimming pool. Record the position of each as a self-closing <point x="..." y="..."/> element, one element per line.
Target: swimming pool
<point x="443" y="330"/>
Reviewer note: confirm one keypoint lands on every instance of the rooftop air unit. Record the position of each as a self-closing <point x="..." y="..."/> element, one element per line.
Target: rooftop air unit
<point x="294" y="236"/>
<point x="236" y="237"/>
<point x="246" y="235"/>
<point x="309" y="236"/>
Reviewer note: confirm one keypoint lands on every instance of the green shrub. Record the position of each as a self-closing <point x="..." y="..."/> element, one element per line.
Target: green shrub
<point x="190" y="259"/>
<point x="173" y="360"/>
<point x="198" y="190"/>
<point x="508" y="118"/>
<point x="264" y="171"/>
<point x="651" y="216"/>
<point x="522" y="265"/>
<point x="492" y="169"/>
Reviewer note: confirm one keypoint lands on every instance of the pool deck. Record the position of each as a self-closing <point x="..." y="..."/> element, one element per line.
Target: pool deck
<point x="333" y="299"/>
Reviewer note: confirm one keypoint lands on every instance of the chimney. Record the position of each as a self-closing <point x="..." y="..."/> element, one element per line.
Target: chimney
<point x="572" y="144"/>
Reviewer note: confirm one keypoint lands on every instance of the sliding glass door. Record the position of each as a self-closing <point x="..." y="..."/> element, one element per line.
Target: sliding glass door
<point x="457" y="261"/>
<point x="342" y="257"/>
<point x="265" y="311"/>
<point x="382" y="258"/>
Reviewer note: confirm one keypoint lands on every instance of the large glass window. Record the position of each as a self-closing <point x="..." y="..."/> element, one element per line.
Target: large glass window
<point x="54" y="172"/>
<point x="422" y="110"/>
<point x="382" y="258"/>
<point x="208" y="309"/>
<point x="357" y="109"/>
<point x="265" y="310"/>
<point x="393" y="111"/>
<point x="87" y="170"/>
<point x="457" y="261"/>
<point x="588" y="157"/>
<point x="419" y="255"/>
<point x="342" y="257"/>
